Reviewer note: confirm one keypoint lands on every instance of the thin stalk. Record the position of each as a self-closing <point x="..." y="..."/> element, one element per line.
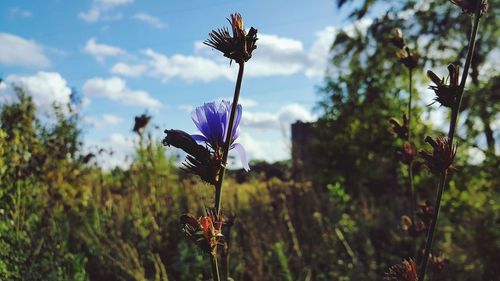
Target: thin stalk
<point x="410" y="172"/>
<point x="225" y="151"/>
<point x="215" y="267"/>
<point x="432" y="228"/>
<point x="451" y="133"/>
<point x="472" y="43"/>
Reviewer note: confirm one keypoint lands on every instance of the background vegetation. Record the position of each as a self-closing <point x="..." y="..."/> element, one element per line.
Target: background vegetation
<point x="64" y="218"/>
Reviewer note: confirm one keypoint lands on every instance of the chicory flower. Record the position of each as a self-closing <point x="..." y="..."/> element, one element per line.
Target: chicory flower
<point x="205" y="150"/>
<point x="213" y="122"/>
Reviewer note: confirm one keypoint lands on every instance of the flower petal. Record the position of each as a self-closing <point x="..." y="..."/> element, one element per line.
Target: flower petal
<point x="200" y="138"/>
<point x="243" y="156"/>
<point x="237" y="119"/>
<point x="200" y="120"/>
<point x="213" y="122"/>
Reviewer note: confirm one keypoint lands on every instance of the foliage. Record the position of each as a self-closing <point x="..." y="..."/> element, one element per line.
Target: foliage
<point x="62" y="217"/>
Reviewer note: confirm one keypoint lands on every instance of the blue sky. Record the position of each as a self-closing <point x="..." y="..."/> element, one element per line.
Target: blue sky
<point x="126" y="57"/>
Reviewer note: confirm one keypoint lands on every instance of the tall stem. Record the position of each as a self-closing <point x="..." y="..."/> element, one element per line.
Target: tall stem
<point x="227" y="144"/>
<point x="225" y="153"/>
<point x="215" y="267"/>
<point x="451" y="133"/>
<point x="410" y="172"/>
<point x="432" y="228"/>
<point x="472" y="42"/>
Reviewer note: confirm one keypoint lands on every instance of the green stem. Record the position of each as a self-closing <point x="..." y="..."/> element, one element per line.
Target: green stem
<point x="227" y="144"/>
<point x="410" y="172"/>
<point x="215" y="268"/>
<point x="451" y="133"/>
<point x="432" y="228"/>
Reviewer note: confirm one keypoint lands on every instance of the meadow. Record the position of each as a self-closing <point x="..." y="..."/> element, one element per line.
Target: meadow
<point x="358" y="196"/>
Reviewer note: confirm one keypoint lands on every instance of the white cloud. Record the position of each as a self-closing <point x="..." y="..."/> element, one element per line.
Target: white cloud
<point x="257" y="149"/>
<point x="46" y="88"/>
<point x="101" y="51"/>
<point x="117" y="150"/>
<point x="17" y="12"/>
<point x="282" y="119"/>
<point x="100" y="10"/>
<point x="116" y="89"/>
<point x="128" y="70"/>
<point x="274" y="56"/>
<point x="103" y="120"/>
<point x="151" y="20"/>
<point x="17" y="51"/>
<point x="189" y="68"/>
<point x="319" y="54"/>
<point x="277" y="56"/>
<point x="245" y="102"/>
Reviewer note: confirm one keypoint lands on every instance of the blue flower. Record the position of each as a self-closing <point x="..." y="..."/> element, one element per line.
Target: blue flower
<point x="213" y="122"/>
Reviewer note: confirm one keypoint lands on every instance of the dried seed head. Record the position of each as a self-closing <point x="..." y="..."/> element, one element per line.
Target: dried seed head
<point x="141" y="122"/>
<point x="437" y="263"/>
<point x="407" y="58"/>
<point x="406" y="223"/>
<point x="469" y="6"/>
<point x="205" y="232"/>
<point x="401" y="131"/>
<point x="412" y="228"/>
<point x="405" y="271"/>
<point x="425" y="213"/>
<point x="199" y="160"/>
<point x="240" y="46"/>
<point x="445" y="94"/>
<point x="397" y="38"/>
<point x="406" y="154"/>
<point x="442" y="156"/>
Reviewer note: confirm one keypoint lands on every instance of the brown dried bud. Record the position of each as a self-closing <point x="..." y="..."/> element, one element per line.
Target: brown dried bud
<point x="407" y="154"/>
<point x="401" y="131"/>
<point x="411" y="228"/>
<point x="442" y="156"/>
<point x="240" y="46"/>
<point x="437" y="263"/>
<point x="407" y="58"/>
<point x="397" y="38"/>
<point x="425" y="213"/>
<point x="445" y="94"/>
<point x="469" y="6"/>
<point x="205" y="232"/>
<point x="199" y="160"/>
<point x="406" y="223"/>
<point x="405" y="271"/>
<point x="141" y="122"/>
